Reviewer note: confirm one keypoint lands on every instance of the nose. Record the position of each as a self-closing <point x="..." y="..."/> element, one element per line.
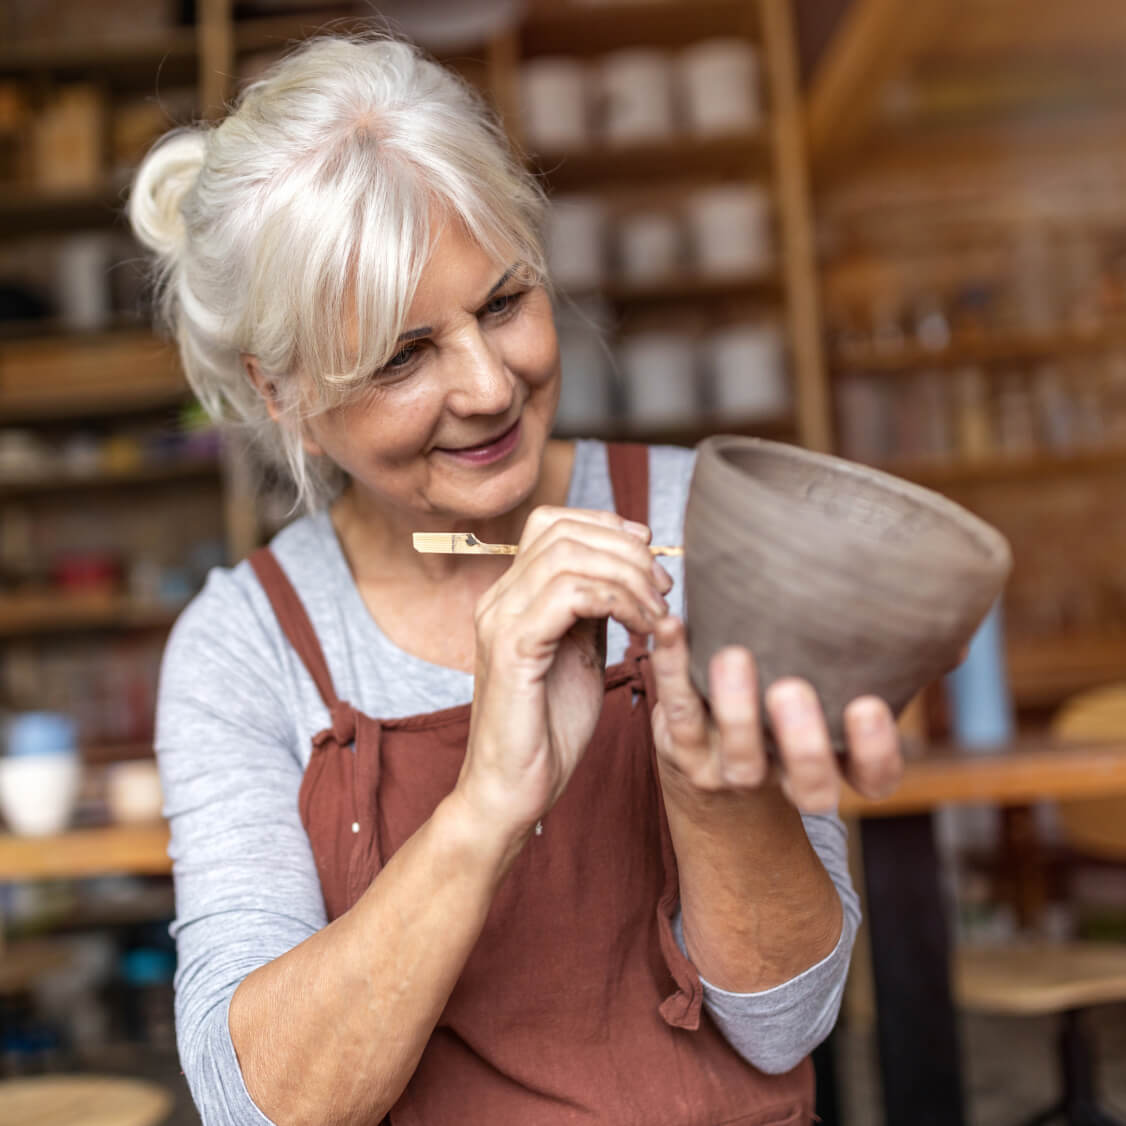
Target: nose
<point x="481" y="383"/>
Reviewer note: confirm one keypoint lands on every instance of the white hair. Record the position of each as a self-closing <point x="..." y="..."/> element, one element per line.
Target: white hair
<point x="308" y="209"/>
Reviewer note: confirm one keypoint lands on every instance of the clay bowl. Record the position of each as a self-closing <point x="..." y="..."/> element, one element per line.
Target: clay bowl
<point x="856" y="580"/>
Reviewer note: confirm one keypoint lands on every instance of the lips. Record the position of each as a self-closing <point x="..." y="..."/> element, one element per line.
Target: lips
<point x="496" y="448"/>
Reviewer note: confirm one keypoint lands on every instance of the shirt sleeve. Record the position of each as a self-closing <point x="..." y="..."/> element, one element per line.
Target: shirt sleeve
<point x="245" y="880"/>
<point x="776" y="1029"/>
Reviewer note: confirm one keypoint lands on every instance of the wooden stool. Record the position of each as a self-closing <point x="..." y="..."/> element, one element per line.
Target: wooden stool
<point x="82" y="1100"/>
<point x="1049" y="979"/>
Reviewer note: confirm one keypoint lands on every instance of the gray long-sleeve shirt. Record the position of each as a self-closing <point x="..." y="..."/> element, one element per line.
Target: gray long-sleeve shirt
<point x="236" y="714"/>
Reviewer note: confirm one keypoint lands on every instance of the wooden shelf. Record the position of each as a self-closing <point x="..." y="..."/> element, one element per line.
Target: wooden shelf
<point x="104" y="754"/>
<point x="31" y="210"/>
<point x="951" y="473"/>
<point x="275" y="33"/>
<point x="27" y="614"/>
<point x="83" y="853"/>
<point x="140" y="58"/>
<point x="582" y="29"/>
<point x="998" y="349"/>
<point x="1043" y="672"/>
<point x="686" y="288"/>
<point x="184" y="469"/>
<point x="682" y="157"/>
<point x="102" y="373"/>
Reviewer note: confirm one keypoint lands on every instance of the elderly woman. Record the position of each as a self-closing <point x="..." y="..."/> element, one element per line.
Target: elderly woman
<point x="455" y="840"/>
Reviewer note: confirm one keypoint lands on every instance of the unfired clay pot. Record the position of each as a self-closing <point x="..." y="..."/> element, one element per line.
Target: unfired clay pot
<point x="856" y="580"/>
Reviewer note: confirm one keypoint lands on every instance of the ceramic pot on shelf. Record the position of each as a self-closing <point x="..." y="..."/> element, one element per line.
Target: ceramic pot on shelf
<point x="856" y="580"/>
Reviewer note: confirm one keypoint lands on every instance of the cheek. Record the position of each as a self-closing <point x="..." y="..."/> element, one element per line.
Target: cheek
<point x="389" y="428"/>
<point x="535" y="354"/>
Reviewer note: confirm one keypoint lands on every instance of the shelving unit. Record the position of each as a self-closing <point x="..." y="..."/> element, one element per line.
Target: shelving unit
<point x="963" y="206"/>
<point x="52" y="381"/>
<point x="626" y="172"/>
<point x="112" y="386"/>
<point x="773" y="154"/>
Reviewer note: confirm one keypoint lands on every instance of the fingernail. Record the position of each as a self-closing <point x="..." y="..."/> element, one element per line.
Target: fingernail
<point x="794" y="702"/>
<point x="870" y="719"/>
<point x="634" y="529"/>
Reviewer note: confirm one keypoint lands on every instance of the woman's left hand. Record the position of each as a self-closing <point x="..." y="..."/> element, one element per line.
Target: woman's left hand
<point x="726" y="750"/>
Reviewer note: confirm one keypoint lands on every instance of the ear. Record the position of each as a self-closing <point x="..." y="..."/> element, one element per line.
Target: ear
<point x="267" y="388"/>
<point x="262" y="384"/>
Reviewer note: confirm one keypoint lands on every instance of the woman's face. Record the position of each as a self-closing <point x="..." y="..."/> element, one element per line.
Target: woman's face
<point x="457" y="422"/>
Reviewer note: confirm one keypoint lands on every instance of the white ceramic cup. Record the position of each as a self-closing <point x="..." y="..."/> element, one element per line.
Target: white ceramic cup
<point x="659" y="377"/>
<point x="747" y="364"/>
<point x="730" y="230"/>
<point x="38" y="792"/>
<point x="554" y="103"/>
<point x="649" y="245"/>
<point x="636" y="91"/>
<point x="575" y="241"/>
<point x="133" y="793"/>
<point x="719" y="84"/>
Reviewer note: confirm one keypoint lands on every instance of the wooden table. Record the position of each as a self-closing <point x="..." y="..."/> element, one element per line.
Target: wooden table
<point x="916" y="1020"/>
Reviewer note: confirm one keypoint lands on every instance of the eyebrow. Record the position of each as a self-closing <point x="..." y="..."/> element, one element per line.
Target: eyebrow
<point x="426" y="330"/>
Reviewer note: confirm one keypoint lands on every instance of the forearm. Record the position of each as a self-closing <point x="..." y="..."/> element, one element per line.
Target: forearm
<point x="331" y="1031"/>
<point x="757" y="905"/>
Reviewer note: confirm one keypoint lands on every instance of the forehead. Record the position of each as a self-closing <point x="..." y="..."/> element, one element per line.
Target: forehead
<point x="456" y="277"/>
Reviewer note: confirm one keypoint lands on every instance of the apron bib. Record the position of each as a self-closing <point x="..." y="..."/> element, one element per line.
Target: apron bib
<point x="576" y="1004"/>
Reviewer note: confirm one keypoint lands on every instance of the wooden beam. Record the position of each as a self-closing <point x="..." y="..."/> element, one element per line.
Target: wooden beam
<point x="875" y="43"/>
<point x="795" y="219"/>
<point x="216" y="56"/>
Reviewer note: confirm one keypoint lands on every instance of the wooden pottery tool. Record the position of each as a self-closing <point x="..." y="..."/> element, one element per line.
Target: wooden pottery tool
<point x="466" y="543"/>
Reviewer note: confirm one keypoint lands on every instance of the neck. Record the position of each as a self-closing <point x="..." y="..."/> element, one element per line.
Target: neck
<point x="377" y="539"/>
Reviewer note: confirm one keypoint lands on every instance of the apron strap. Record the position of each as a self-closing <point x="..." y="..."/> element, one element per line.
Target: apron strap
<point x="295" y="624"/>
<point x="629" y="477"/>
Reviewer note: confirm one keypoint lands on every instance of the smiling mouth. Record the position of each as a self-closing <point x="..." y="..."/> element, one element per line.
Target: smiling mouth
<point x="483" y="445"/>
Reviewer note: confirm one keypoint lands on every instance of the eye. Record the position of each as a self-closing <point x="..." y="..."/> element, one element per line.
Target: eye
<point x="401" y="358"/>
<point x="501" y="305"/>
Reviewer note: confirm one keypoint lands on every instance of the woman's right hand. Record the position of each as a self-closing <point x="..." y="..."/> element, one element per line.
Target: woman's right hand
<point x="540" y="658"/>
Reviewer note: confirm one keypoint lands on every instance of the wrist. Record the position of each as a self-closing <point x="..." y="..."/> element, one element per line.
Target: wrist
<point x="486" y="842"/>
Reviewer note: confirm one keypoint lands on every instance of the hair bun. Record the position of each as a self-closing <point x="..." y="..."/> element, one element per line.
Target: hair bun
<point x="165" y="176"/>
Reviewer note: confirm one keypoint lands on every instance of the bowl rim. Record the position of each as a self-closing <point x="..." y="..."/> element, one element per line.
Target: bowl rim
<point x="995" y="547"/>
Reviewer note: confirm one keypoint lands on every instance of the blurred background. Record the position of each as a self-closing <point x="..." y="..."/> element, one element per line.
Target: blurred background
<point x="889" y="229"/>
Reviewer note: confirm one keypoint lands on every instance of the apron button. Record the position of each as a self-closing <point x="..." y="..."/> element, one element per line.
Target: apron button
<point x="355" y="826"/>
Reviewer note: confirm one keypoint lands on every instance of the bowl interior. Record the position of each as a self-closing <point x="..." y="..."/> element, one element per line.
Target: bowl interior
<point x="858" y="503"/>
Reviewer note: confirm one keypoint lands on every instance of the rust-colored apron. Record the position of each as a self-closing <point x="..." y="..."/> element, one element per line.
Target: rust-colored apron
<point x="576" y="1004"/>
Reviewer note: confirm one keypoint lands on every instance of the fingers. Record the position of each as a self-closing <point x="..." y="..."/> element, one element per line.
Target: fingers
<point x="543" y="519"/>
<point x="680" y="723"/>
<point x="810" y="774"/>
<point x="622" y="579"/>
<point x="566" y="598"/>
<point x="733" y="688"/>
<point x="875" y="764"/>
<point x="723" y="750"/>
<point x="595" y="562"/>
<point x="601" y="530"/>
